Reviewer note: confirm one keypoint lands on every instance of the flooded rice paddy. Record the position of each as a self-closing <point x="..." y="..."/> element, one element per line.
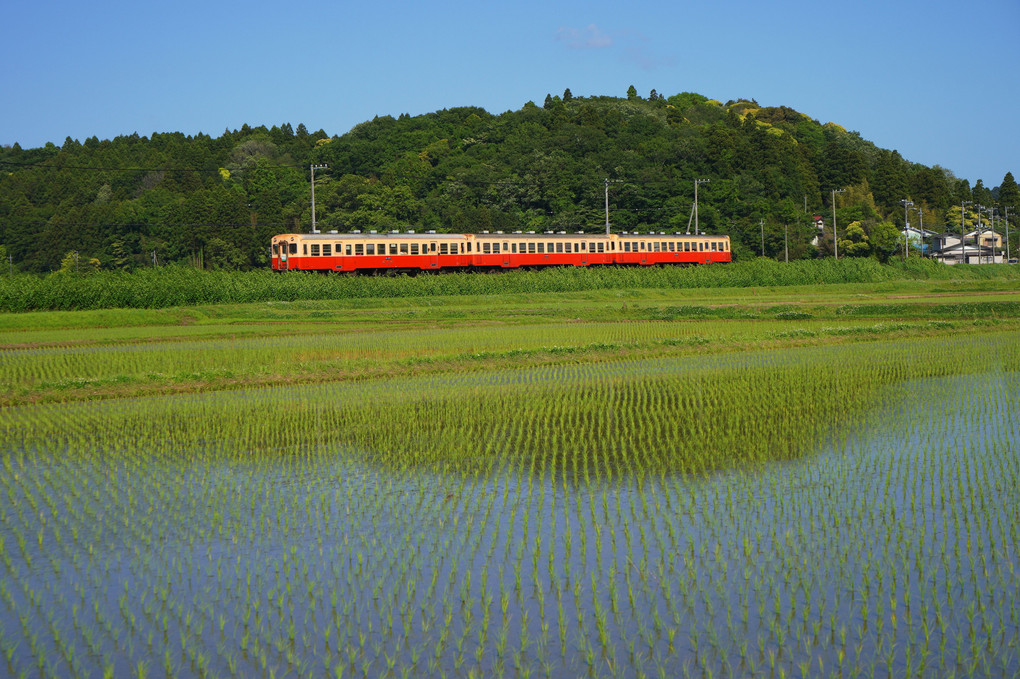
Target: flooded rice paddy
<point x="527" y="524"/>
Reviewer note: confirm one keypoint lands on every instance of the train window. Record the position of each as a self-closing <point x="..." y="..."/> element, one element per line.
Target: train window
<point x="304" y="248"/>
<point x="359" y="249"/>
<point x="655" y="246"/>
<point x="485" y="248"/>
<point x="444" y="249"/>
<point x="403" y="248"/>
<point x="495" y="248"/>
<point x="393" y="248"/>
<point x="559" y="247"/>
<point x="687" y="247"/>
<point x="506" y="247"/>
<point x="531" y="248"/>
<point x="626" y="246"/>
<point x="602" y="247"/>
<point x="672" y="246"/>
<point x="369" y="248"/>
<point x="541" y="248"/>
<point x="347" y="249"/>
<point x="293" y="248"/>
<point x="432" y="247"/>
<point x="327" y="250"/>
<point x="315" y="249"/>
<point x="414" y="248"/>
<point x="713" y="246"/>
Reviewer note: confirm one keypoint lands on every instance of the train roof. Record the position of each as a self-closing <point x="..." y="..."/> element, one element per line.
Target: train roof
<point x="494" y="235"/>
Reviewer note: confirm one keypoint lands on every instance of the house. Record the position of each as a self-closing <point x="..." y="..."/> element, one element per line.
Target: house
<point x="980" y="246"/>
<point x="919" y="239"/>
<point x="968" y="254"/>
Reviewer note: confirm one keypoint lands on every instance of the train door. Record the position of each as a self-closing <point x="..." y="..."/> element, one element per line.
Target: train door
<point x="433" y="255"/>
<point x="282" y="248"/>
<point x="506" y="254"/>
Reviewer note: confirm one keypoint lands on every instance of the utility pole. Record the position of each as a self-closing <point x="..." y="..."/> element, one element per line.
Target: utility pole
<point x="906" y="224"/>
<point x="608" y="182"/>
<point x="920" y="214"/>
<point x="314" y="168"/>
<point x="786" y="241"/>
<point x="1007" y="209"/>
<point x="696" y="182"/>
<point x="835" y="238"/>
<point x="963" y="232"/>
<point x="761" y="225"/>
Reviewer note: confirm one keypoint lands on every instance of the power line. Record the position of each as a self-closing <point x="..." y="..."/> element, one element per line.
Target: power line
<point x="141" y="169"/>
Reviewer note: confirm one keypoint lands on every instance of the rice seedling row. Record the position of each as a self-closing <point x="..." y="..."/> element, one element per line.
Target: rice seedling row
<point x="824" y="511"/>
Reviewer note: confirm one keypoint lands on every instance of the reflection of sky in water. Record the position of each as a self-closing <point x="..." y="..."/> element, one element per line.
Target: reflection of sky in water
<point x="893" y="545"/>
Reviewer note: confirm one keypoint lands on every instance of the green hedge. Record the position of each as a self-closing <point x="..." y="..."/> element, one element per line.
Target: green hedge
<point x="184" y="286"/>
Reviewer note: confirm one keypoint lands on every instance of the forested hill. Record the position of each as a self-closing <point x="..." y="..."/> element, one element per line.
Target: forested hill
<point x="215" y="202"/>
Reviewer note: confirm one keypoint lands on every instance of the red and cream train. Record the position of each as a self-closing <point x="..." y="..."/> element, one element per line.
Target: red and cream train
<point x="409" y="251"/>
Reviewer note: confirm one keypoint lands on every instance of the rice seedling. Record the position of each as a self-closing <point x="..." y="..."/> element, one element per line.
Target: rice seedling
<point x="841" y="507"/>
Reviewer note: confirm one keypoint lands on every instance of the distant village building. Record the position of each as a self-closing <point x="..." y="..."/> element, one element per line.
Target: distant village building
<point x="982" y="246"/>
<point x="819" y="230"/>
<point x="920" y="240"/>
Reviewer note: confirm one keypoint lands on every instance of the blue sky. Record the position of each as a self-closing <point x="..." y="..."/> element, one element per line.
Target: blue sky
<point x="937" y="81"/>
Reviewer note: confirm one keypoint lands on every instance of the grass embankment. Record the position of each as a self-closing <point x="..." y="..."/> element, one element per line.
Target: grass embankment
<point x="83" y="355"/>
<point x="181" y="286"/>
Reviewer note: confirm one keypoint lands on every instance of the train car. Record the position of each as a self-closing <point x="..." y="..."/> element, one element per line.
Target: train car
<point x="410" y="251"/>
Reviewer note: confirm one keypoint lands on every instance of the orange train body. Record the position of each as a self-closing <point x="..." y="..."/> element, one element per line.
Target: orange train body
<point x="410" y="251"/>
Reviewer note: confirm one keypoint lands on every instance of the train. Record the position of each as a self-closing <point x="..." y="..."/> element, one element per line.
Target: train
<point x="411" y="251"/>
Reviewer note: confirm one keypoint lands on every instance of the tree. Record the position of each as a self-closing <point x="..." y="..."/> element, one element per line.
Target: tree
<point x="981" y="194"/>
<point x="1009" y="193"/>
<point x="567" y="95"/>
<point x="75" y="263"/>
<point x="886" y="240"/>
<point x="855" y="242"/>
<point x="632" y="94"/>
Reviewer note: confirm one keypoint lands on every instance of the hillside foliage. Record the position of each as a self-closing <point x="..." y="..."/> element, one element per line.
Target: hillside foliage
<point x="214" y="202"/>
